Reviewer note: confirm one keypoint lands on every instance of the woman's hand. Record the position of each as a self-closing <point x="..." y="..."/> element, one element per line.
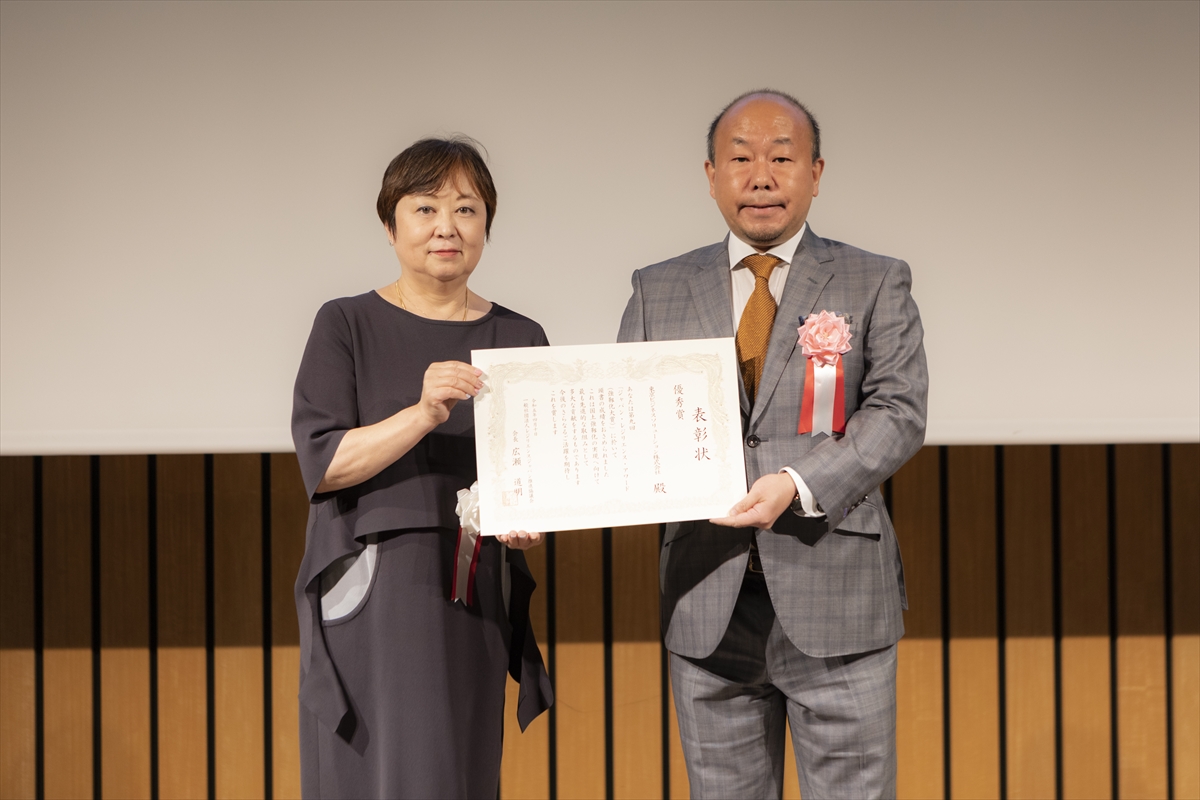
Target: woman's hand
<point x="521" y="540"/>
<point x="447" y="382"/>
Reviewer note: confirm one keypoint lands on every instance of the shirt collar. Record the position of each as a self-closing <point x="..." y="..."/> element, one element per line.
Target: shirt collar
<point x="784" y="252"/>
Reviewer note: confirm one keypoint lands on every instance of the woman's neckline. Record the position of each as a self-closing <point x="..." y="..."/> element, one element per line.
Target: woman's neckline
<point x="485" y="316"/>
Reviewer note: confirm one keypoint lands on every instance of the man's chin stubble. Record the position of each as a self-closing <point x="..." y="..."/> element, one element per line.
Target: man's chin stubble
<point x="765" y="236"/>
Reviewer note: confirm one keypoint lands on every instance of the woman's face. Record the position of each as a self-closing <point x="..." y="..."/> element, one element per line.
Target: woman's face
<point x="440" y="235"/>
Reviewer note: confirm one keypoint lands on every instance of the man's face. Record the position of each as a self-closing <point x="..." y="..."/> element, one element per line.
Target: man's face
<point x="763" y="177"/>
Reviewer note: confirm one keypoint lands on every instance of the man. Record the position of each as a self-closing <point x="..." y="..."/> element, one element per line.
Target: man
<point x="790" y="607"/>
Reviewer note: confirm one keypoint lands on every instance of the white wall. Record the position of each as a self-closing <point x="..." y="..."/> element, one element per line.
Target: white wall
<point x="182" y="185"/>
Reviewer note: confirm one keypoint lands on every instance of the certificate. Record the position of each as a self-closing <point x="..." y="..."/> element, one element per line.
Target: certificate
<point x="591" y="436"/>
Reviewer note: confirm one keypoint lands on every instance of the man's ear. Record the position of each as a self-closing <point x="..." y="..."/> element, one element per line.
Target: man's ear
<point x="711" y="172"/>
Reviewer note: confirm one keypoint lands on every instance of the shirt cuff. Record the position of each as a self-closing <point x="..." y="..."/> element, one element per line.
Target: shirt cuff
<point x="808" y="504"/>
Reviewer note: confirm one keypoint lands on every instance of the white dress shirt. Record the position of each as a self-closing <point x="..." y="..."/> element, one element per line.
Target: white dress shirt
<point x="742" y="284"/>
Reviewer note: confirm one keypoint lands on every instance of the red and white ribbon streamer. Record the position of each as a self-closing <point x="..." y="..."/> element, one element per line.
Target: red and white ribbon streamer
<point x="823" y="409"/>
<point x="466" y="548"/>
<point x="466" y="558"/>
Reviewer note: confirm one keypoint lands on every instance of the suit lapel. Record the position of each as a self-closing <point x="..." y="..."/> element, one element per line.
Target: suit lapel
<point x="714" y="305"/>
<point x="710" y="292"/>
<point x="806" y="280"/>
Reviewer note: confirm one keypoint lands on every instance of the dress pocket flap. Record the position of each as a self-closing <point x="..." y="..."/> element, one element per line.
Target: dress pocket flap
<point x="346" y="583"/>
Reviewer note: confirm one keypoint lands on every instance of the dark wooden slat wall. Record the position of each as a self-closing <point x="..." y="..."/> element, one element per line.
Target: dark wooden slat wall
<point x="974" y="676"/>
<point x="1084" y="700"/>
<point x="289" y="515"/>
<point x="124" y="627"/>
<point x="1141" y="646"/>
<point x="149" y="644"/>
<point x="69" y="700"/>
<point x="1029" y="622"/>
<point x="238" y="715"/>
<point x="1185" y="618"/>
<point x="637" y="761"/>
<point x="579" y="664"/>
<point x="916" y="513"/>
<point x="19" y="729"/>
<point x="182" y="696"/>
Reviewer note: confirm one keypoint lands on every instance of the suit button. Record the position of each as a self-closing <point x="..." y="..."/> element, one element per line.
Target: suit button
<point x="752" y="441"/>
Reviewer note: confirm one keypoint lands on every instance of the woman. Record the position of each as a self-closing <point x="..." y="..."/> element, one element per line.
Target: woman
<point x="402" y="687"/>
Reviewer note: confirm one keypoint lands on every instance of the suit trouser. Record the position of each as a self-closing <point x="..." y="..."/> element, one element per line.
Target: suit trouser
<point x="732" y="706"/>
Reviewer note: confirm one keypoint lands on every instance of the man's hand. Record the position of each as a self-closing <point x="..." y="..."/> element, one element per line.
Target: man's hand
<point x="520" y="540"/>
<point x="767" y="499"/>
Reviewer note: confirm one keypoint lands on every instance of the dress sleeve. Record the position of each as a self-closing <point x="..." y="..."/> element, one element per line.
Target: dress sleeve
<point x="325" y="399"/>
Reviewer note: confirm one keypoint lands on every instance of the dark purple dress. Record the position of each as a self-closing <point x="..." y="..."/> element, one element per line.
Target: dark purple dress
<point x="403" y="696"/>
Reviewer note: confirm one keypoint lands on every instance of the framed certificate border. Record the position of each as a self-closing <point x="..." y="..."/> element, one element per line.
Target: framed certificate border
<point x="588" y="436"/>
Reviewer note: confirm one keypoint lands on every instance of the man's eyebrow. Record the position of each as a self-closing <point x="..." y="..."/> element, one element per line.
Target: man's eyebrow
<point x="779" y="140"/>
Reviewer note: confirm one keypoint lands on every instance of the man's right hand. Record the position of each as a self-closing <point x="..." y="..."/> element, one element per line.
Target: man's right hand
<point x="769" y="497"/>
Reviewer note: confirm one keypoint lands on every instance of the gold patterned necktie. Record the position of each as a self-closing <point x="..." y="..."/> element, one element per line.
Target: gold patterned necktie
<point x="754" y="329"/>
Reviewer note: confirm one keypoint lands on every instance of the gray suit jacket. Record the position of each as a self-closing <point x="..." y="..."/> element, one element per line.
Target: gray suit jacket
<point x="836" y="583"/>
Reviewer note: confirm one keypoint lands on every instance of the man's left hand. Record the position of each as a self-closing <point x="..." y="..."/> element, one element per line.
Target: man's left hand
<point x="769" y="497"/>
<point x="520" y="540"/>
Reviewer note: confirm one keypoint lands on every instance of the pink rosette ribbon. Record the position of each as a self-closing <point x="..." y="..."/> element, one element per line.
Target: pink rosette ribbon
<point x="824" y="337"/>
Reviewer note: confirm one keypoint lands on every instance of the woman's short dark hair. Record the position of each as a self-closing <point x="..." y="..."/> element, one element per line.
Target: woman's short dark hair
<point x="425" y="166"/>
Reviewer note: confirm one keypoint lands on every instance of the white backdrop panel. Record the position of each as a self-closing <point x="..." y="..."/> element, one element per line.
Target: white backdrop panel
<point x="183" y="184"/>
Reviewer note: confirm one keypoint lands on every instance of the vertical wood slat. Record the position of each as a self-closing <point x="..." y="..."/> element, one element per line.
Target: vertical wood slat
<point x="67" y="591"/>
<point x="974" y="675"/>
<point x="182" y="684"/>
<point x="637" y="688"/>
<point x="525" y="769"/>
<point x="1141" y="648"/>
<point x="289" y="514"/>
<point x="124" y="627"/>
<point x="917" y="519"/>
<point x="18" y="778"/>
<point x="1086" y="713"/>
<point x="1185" y="604"/>
<point x="237" y="624"/>
<point x="1029" y="649"/>
<point x="579" y="657"/>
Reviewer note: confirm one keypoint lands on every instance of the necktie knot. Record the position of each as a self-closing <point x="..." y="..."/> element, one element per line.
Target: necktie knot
<point x="761" y="264"/>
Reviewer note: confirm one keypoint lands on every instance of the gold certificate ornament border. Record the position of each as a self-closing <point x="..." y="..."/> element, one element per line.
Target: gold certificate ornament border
<point x="554" y="372"/>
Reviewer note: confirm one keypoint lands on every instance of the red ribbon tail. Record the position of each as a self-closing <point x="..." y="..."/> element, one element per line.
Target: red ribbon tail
<point x="454" y="571"/>
<point x="806" y="405"/>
